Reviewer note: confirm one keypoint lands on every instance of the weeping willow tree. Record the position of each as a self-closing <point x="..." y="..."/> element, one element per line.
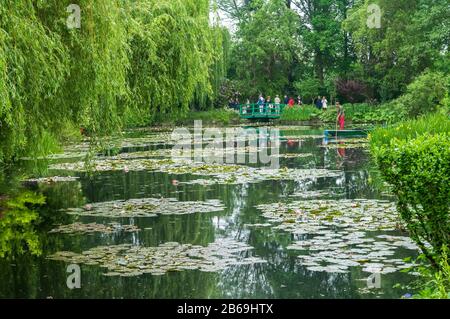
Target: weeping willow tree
<point x="32" y="69"/>
<point x="53" y="76"/>
<point x="95" y="85"/>
<point x="171" y="54"/>
<point x="221" y="44"/>
<point x="218" y="71"/>
<point x="152" y="56"/>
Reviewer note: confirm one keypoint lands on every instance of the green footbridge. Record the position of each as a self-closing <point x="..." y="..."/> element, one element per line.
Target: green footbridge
<point x="266" y="111"/>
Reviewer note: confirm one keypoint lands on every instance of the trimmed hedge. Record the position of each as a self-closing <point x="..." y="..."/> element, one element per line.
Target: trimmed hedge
<point x="419" y="171"/>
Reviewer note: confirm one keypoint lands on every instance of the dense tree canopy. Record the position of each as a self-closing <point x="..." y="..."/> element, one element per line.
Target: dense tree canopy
<point x="148" y="56"/>
<point x="414" y="36"/>
<point x="268" y="44"/>
<point x="329" y="46"/>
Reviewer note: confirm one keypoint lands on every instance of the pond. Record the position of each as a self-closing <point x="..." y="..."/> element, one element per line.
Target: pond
<point x="145" y="225"/>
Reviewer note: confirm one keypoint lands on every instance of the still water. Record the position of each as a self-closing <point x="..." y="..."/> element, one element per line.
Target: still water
<point x="278" y="271"/>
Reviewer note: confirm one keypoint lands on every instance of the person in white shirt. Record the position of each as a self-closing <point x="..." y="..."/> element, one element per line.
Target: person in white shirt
<point x="324" y="103"/>
<point x="277" y="100"/>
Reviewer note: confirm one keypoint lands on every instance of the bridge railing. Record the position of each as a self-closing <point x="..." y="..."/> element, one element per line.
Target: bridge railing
<point x="255" y="110"/>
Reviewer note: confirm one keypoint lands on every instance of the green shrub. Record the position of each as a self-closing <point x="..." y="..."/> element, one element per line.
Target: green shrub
<point x="17" y="222"/>
<point x="419" y="171"/>
<point x="304" y="113"/>
<point x="425" y="95"/>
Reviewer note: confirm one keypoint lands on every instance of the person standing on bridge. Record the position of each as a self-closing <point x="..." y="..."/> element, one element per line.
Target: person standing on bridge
<point x="277" y="100"/>
<point x="246" y="108"/>
<point x="286" y="100"/>
<point x="261" y="103"/>
<point x="277" y="104"/>
<point x="269" y="104"/>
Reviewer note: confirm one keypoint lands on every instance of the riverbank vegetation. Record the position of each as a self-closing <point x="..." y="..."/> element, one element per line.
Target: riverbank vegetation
<point x="414" y="157"/>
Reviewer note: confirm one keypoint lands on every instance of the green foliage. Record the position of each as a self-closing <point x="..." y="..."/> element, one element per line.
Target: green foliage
<point x="327" y="45"/>
<point x="217" y="116"/>
<point x="309" y="88"/>
<point x="129" y="59"/>
<point x="411" y="39"/>
<point x="135" y="117"/>
<point x="32" y="69"/>
<point x="364" y="113"/>
<point x="296" y="113"/>
<point x="411" y="129"/>
<point x="355" y="113"/>
<point x="418" y="168"/>
<point x="268" y="42"/>
<point x="17" y="222"/>
<point x="425" y="95"/>
<point x="435" y="284"/>
<point x="171" y="54"/>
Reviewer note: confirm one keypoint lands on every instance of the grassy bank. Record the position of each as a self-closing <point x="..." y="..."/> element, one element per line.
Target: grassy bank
<point x="410" y="129"/>
<point x="355" y="113"/>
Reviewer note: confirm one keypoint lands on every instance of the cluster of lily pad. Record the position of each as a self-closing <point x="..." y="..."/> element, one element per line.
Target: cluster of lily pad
<point x="81" y="228"/>
<point x="239" y="174"/>
<point x="313" y="194"/>
<point x="169" y="152"/>
<point x="348" y="143"/>
<point x="336" y="235"/>
<point x="222" y="173"/>
<point x="301" y="137"/>
<point x="294" y="155"/>
<point x="129" y="260"/>
<point x="146" y="207"/>
<point x="113" y="165"/>
<point x="52" y="180"/>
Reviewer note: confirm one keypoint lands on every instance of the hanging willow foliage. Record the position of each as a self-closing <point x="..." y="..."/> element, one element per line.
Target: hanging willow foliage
<point x="152" y="56"/>
<point x="171" y="53"/>
<point x="221" y="43"/>
<point x="33" y="70"/>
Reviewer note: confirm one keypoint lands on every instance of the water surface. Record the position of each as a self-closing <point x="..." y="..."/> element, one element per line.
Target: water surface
<point x="281" y="275"/>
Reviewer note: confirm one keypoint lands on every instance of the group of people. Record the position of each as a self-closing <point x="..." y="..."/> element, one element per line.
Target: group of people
<point x="233" y="103"/>
<point x="277" y="101"/>
<point x="321" y="103"/>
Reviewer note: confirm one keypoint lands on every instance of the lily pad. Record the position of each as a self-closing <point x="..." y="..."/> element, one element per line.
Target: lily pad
<point x="147" y="207"/>
<point x="339" y="233"/>
<point x="131" y="261"/>
<point x="94" y="228"/>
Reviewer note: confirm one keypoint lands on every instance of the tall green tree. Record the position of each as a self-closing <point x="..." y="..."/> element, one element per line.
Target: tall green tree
<point x="328" y="46"/>
<point x="413" y="36"/>
<point x="267" y="44"/>
<point x="171" y="54"/>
